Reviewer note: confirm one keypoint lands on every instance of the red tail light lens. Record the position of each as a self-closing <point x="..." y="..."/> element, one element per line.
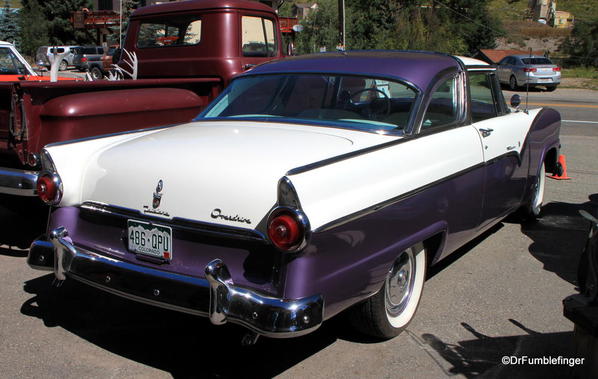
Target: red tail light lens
<point x="556" y="69"/>
<point x="84" y="59"/>
<point x="48" y="188"/>
<point x="530" y="69"/>
<point x="285" y="231"/>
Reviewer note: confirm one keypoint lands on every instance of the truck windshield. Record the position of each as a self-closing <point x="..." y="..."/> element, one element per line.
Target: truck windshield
<point x="174" y="31"/>
<point x="355" y="102"/>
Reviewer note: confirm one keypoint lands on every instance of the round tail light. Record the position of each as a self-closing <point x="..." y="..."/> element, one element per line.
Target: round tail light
<point x="48" y="187"/>
<point x="286" y="231"/>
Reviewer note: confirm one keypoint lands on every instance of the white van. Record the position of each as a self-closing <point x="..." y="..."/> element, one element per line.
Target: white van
<point x="44" y="52"/>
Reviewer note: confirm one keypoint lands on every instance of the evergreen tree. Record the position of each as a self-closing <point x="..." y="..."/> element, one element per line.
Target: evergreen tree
<point x="34" y="27"/>
<point x="9" y="25"/>
<point x="470" y="21"/>
<point x="60" y="28"/>
<point x="582" y="45"/>
<point x="320" y="29"/>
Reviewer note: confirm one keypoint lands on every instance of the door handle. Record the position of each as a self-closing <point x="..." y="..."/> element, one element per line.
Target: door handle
<point x="486" y="132"/>
<point x="512" y="147"/>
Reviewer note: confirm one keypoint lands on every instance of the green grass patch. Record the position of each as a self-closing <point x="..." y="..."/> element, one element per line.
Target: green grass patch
<point x="580" y="72"/>
<point x="580" y="77"/>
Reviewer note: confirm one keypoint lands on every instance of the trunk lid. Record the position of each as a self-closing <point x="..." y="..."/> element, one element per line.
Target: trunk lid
<point x="218" y="172"/>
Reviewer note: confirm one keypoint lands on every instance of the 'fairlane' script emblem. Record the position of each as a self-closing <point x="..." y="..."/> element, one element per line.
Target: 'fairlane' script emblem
<point x="158" y="194"/>
<point x="217" y="213"/>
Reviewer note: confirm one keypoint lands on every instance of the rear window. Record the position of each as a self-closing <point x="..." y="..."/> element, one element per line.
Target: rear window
<point x="536" y="61"/>
<point x="174" y="31"/>
<point x="353" y="102"/>
<point x="258" y="37"/>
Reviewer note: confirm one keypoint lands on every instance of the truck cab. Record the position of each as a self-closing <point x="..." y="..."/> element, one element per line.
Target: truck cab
<point x="203" y="38"/>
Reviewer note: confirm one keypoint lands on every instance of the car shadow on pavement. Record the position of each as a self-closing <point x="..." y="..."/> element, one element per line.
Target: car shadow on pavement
<point x="22" y="219"/>
<point x="483" y="356"/>
<point x="560" y="235"/>
<point x="181" y="344"/>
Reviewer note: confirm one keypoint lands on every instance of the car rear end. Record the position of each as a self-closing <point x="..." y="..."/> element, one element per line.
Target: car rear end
<point x="538" y="71"/>
<point x="86" y="57"/>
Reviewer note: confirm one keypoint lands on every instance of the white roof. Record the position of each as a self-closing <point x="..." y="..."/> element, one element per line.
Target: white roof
<point x="467" y="61"/>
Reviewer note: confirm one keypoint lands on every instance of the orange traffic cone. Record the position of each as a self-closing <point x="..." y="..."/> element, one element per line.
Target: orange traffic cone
<point x="563" y="163"/>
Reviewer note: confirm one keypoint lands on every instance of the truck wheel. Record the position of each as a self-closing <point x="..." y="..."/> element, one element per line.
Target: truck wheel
<point x="513" y="83"/>
<point x="96" y="73"/>
<point x="390" y="310"/>
<point x="63" y="65"/>
<point x="550" y="88"/>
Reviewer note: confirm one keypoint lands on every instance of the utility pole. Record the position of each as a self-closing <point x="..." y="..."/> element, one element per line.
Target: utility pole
<point x="341" y="25"/>
<point x="120" y="26"/>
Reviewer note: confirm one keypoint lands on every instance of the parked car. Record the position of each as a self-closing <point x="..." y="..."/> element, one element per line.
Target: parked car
<point x="14" y="68"/>
<point x="43" y="53"/>
<point x="310" y="185"/>
<point x="520" y="70"/>
<point x="12" y="63"/>
<point x="582" y="308"/>
<point x="89" y="58"/>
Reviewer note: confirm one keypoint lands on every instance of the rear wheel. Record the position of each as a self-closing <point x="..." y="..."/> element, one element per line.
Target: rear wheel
<point x="535" y="206"/>
<point x="513" y="83"/>
<point x="63" y="65"/>
<point x="388" y="312"/>
<point x="550" y="88"/>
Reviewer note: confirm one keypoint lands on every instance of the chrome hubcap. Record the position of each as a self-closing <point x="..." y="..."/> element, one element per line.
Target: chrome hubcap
<point x="399" y="283"/>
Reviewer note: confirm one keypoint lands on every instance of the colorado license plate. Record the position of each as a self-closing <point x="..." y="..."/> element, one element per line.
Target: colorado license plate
<point x="150" y="239"/>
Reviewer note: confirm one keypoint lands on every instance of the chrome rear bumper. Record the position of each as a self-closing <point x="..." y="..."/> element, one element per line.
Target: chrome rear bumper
<point x="216" y="296"/>
<point x="18" y="182"/>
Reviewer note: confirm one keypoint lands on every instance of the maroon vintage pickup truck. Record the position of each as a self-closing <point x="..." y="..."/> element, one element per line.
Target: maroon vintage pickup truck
<point x="187" y="53"/>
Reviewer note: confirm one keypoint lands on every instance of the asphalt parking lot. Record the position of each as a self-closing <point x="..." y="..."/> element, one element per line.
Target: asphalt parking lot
<point x="499" y="296"/>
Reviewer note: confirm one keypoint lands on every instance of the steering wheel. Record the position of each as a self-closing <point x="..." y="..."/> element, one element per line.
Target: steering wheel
<point x="383" y="110"/>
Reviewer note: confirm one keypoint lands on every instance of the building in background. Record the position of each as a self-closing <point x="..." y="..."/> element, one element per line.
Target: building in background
<point x="563" y="20"/>
<point x="302" y="10"/>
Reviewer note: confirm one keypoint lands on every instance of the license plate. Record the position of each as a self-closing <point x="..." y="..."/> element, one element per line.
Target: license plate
<point x="150" y="239"/>
<point x="544" y="80"/>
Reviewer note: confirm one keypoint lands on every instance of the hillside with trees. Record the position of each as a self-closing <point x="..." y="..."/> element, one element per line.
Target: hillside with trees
<point x="453" y="26"/>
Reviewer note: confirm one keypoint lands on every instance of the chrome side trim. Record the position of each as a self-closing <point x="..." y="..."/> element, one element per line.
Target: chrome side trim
<point x="216" y="296"/>
<point x="18" y="182"/>
<point x="192" y="226"/>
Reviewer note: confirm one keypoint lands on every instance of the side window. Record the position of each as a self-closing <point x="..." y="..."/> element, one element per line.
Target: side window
<point x="176" y="31"/>
<point x="444" y="106"/>
<point x="483" y="103"/>
<point x="258" y="37"/>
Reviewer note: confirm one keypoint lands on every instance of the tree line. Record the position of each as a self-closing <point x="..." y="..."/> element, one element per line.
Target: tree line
<point x="451" y="26"/>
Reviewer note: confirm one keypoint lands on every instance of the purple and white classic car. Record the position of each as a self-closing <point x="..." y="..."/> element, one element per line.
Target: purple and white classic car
<point x="312" y="185"/>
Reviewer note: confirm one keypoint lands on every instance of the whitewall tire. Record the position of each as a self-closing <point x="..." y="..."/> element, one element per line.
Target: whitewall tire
<point x="390" y="310"/>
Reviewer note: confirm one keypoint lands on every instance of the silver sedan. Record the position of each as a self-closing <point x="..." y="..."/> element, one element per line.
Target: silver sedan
<point x="519" y="70"/>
